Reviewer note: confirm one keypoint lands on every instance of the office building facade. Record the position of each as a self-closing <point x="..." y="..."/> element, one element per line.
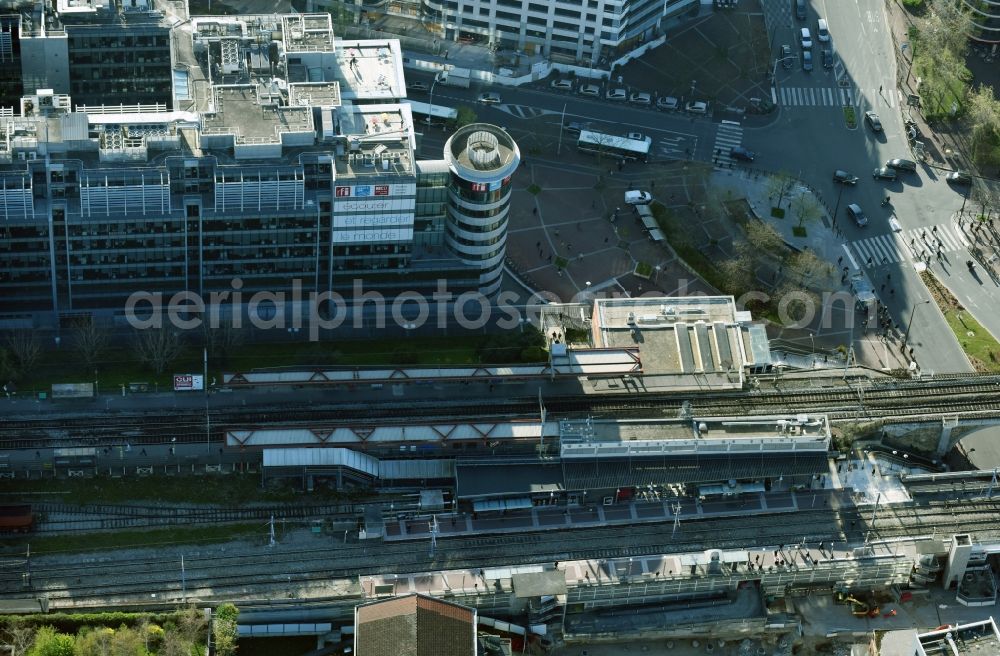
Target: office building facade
<point x="571" y="31"/>
<point x="296" y="173"/>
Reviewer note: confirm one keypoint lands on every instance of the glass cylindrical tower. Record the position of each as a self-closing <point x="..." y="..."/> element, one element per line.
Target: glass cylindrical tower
<point x="482" y="158"/>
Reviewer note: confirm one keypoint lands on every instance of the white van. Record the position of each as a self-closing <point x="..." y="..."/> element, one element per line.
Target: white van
<point x="822" y="31"/>
<point x="638" y="197"/>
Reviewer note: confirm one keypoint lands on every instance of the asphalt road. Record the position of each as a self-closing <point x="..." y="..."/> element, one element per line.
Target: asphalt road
<point x="865" y="68"/>
<point x="807" y="138"/>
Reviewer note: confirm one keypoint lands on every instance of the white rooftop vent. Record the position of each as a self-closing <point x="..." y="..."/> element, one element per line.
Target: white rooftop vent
<point x="484" y="150"/>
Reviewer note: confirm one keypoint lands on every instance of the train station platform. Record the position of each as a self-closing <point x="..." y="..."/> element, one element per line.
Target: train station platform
<point x="542" y="518"/>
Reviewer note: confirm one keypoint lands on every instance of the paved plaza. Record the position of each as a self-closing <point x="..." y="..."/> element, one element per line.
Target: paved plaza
<point x="563" y="232"/>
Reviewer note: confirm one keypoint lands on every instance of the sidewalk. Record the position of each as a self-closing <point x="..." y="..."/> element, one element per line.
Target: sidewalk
<point x="822" y="238"/>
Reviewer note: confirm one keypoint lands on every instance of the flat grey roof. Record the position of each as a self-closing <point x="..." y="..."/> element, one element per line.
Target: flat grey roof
<point x="506" y="479"/>
<point x="537" y="584"/>
<point x="605" y="474"/>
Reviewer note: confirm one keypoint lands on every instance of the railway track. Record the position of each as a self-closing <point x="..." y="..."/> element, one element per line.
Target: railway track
<point x="861" y="398"/>
<point x="62" y="518"/>
<point x="96" y="581"/>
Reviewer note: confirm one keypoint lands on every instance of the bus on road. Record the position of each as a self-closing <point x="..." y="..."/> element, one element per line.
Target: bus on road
<point x="424" y="113"/>
<point x="609" y="145"/>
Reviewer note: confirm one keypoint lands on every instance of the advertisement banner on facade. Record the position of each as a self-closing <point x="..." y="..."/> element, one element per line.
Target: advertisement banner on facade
<point x="73" y="391"/>
<point x="188" y="382"/>
<point x="375" y="190"/>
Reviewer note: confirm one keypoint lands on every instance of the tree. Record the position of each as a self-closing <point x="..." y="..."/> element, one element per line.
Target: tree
<point x="802" y="265"/>
<point x="224" y="629"/>
<point x="50" y="643"/>
<point x="95" y="641"/>
<point x="984" y="117"/>
<point x="222" y="340"/>
<point x="806" y="208"/>
<point x="90" y="340"/>
<point x="763" y="238"/>
<point x="18" y="639"/>
<point x="465" y="116"/>
<point x="736" y="274"/>
<point x="157" y="347"/>
<point x="26" y="348"/>
<point x="779" y="185"/>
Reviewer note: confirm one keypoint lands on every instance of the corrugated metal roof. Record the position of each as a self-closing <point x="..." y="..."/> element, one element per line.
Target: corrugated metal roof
<point x="414" y="469"/>
<point x="328" y="457"/>
<point x="74" y="127"/>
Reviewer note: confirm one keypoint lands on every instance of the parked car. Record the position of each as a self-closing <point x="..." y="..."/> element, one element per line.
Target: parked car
<point x="855" y="212"/>
<point x="667" y="103"/>
<point x="827" y="59"/>
<point x="590" y="90"/>
<point x="843" y="177"/>
<point x="490" y="98"/>
<point x="786" y="56"/>
<point x="575" y="127"/>
<point x="807" y="42"/>
<point x="562" y="85"/>
<point x="873" y="121"/>
<point x="959" y="178"/>
<point x="884" y="173"/>
<point x="696" y="107"/>
<point x="640" y="98"/>
<point x="822" y="31"/>
<point x="418" y="86"/>
<point x="807" y="61"/>
<point x="904" y="165"/>
<point x="742" y="153"/>
<point x="617" y="94"/>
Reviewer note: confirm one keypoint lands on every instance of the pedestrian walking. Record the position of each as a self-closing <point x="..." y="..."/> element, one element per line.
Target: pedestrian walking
<point x="934" y="229"/>
<point x="880" y="88"/>
<point x="840" y="260"/>
<point x="534" y="210"/>
<point x="892" y="292"/>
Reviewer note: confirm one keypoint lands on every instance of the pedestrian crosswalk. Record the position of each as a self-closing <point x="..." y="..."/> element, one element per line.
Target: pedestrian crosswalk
<point x="816" y="96"/>
<point x="522" y="111"/>
<point x="727" y="136"/>
<point x="912" y="244"/>
<point x="831" y="97"/>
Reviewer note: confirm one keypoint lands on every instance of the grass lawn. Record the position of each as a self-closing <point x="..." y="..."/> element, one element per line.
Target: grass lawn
<point x="676" y="234"/>
<point x="135" y="539"/>
<point x="228" y="490"/>
<point x="850" y="117"/>
<point x="643" y="270"/>
<point x="979" y="345"/>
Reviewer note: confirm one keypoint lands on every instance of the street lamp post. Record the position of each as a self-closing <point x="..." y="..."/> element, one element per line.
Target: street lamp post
<point x="774" y="69"/>
<point x="836" y="209"/>
<point x="909" y="324"/>
<point x="431" y="98"/>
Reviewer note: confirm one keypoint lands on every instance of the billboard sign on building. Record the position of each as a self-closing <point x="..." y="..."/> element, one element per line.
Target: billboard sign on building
<point x="73" y="391"/>
<point x="188" y="382"/>
<point x="375" y="191"/>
